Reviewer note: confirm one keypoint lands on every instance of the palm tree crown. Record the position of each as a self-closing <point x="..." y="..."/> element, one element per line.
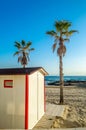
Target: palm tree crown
<point x="61" y="35"/>
<point x="23" y="52"/>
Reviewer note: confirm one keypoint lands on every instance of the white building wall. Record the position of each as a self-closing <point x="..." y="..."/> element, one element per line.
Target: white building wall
<point x="40" y="95"/>
<point x="12" y="102"/>
<point x="36" y="98"/>
<point x="32" y="100"/>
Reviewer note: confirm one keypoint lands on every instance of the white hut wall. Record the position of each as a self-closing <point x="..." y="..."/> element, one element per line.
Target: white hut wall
<point x="36" y="98"/>
<point x="12" y="102"/>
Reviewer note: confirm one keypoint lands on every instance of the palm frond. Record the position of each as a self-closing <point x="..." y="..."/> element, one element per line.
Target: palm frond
<point x="25" y="48"/>
<point x="31" y="49"/>
<point x="16" y="53"/>
<point x="68" y="33"/>
<point x="72" y="31"/>
<point x="56" y="40"/>
<point x="54" y="46"/>
<point x="28" y="57"/>
<point x="57" y="37"/>
<point x="29" y="44"/>
<point x="64" y="50"/>
<point x="62" y="25"/>
<point x="23" y="43"/>
<point x="58" y="26"/>
<point x="59" y="51"/>
<point x="66" y="25"/>
<point x="20" y="59"/>
<point x="64" y="33"/>
<point x="52" y="33"/>
<point x="17" y="44"/>
<point x="66" y="40"/>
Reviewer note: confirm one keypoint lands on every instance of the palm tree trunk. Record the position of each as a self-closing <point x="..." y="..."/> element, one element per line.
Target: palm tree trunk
<point x="61" y="80"/>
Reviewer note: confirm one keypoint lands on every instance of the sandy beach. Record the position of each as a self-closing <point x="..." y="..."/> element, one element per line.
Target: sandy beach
<point x="75" y="114"/>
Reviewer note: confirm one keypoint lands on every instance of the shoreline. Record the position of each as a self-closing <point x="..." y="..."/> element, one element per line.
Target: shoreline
<point x="67" y="83"/>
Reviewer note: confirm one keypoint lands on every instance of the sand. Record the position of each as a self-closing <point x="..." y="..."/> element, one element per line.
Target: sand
<point x="75" y="99"/>
<point x="75" y="113"/>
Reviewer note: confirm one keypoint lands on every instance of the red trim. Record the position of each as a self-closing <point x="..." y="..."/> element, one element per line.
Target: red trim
<point x="8" y="86"/>
<point x="26" y="100"/>
<point x="44" y="98"/>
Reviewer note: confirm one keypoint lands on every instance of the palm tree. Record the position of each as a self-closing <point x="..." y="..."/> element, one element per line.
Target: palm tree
<point x="23" y="52"/>
<point x="61" y="35"/>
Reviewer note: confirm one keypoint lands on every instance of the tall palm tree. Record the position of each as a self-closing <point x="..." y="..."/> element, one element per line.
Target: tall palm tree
<point x="23" y="52"/>
<point x="61" y="35"/>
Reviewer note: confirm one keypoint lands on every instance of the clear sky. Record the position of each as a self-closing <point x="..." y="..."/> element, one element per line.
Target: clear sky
<point x="29" y="20"/>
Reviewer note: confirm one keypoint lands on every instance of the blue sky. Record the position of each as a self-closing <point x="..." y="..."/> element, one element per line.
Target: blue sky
<point x="29" y="20"/>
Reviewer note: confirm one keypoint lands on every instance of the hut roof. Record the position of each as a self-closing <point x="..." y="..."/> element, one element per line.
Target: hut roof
<point x="22" y="71"/>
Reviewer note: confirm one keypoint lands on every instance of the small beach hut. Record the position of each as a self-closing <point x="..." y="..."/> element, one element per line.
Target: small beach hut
<point x="22" y="97"/>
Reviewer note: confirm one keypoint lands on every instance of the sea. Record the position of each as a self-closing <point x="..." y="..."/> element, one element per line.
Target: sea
<point x="50" y="79"/>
